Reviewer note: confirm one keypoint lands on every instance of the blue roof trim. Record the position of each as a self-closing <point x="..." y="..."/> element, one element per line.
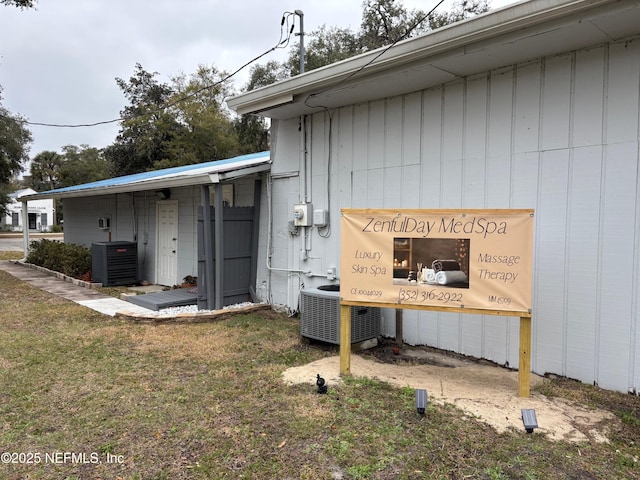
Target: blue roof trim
<point x="137" y="177"/>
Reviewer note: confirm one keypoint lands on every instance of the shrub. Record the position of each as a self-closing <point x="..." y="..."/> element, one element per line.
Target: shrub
<point x="72" y="260"/>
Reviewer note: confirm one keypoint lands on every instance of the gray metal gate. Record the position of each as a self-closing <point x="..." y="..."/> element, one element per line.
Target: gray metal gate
<point x="238" y="243"/>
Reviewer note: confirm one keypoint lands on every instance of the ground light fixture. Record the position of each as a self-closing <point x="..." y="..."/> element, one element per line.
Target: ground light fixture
<point x="421" y="400"/>
<point x="320" y="382"/>
<point x="529" y="419"/>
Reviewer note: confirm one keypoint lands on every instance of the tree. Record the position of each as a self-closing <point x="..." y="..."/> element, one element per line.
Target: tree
<point x="461" y="11"/>
<point x="21" y="4"/>
<point x="326" y="46"/>
<point x="166" y="125"/>
<point x="252" y="131"/>
<point x="263" y="75"/>
<point x="83" y="164"/>
<point x="146" y="126"/>
<point x="45" y="171"/>
<point x="384" y="22"/>
<point x="253" y="134"/>
<point x="15" y="139"/>
<point x="206" y="131"/>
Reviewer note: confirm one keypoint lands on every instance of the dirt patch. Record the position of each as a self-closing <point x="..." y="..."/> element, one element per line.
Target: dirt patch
<point x="482" y="390"/>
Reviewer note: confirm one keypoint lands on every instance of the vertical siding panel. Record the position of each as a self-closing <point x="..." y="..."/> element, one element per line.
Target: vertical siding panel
<point x="622" y="92"/>
<point x="375" y="189"/>
<point x="319" y="139"/>
<point x="319" y="181"/>
<point x="451" y="160"/>
<point x="392" y="182"/>
<point x="475" y="143"/>
<point x="556" y="103"/>
<point x="616" y="271"/>
<point x="589" y="91"/>
<point x="432" y="111"/>
<point x="523" y="175"/>
<point x="361" y="137"/>
<point x="431" y="148"/>
<point x="358" y="175"/>
<point x="551" y="237"/>
<point x="343" y="155"/>
<point x="500" y="112"/>
<point x="635" y="377"/>
<point x="495" y="333"/>
<point x="499" y="147"/>
<point x="634" y="374"/>
<point x="411" y="323"/>
<point x="411" y="131"/>
<point x="449" y="337"/>
<point x="342" y="164"/>
<point x="376" y="135"/>
<point x="582" y="261"/>
<point x="360" y="189"/>
<point x="475" y="140"/>
<point x="527" y="109"/>
<point x="393" y="132"/>
<point x="284" y="194"/>
<point x="286" y="145"/>
<point x="524" y="180"/>
<point x="410" y="186"/>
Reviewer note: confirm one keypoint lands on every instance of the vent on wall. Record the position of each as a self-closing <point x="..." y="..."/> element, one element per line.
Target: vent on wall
<point x="320" y="316"/>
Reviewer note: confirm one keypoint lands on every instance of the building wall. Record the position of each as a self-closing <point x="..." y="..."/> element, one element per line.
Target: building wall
<point x="558" y="134"/>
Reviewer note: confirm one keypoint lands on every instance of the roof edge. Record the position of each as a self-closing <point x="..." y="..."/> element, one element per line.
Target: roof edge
<point x="491" y="24"/>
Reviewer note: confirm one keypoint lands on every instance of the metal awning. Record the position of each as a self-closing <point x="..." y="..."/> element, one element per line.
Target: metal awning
<point x="198" y="174"/>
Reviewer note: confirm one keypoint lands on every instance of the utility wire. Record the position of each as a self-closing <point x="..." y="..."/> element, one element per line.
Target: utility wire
<point x="282" y="43"/>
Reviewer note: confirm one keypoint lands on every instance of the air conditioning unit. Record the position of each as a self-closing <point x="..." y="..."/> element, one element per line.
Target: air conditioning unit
<point x="320" y="316"/>
<point x="114" y="263"/>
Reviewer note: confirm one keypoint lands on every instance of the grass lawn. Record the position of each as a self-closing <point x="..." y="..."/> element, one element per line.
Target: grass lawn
<point x="86" y="396"/>
<point x="11" y="255"/>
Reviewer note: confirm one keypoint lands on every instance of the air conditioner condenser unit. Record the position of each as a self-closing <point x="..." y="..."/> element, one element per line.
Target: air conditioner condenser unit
<point x="320" y="316"/>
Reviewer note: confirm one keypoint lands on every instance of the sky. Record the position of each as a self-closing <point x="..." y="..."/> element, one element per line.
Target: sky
<point x="59" y="62"/>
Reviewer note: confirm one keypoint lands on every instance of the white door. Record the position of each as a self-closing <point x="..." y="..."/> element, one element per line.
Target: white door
<point x="167" y="251"/>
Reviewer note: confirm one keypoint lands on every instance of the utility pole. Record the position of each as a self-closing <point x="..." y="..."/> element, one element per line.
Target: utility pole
<point x="301" y="35"/>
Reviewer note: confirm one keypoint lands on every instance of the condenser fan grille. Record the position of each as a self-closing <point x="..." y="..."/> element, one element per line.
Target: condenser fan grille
<point x="320" y="317"/>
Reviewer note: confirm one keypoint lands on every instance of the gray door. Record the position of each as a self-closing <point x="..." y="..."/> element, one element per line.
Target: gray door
<point x="238" y="255"/>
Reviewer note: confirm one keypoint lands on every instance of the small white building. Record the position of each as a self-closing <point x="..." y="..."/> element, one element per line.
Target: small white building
<point x="41" y="212"/>
<point x="163" y="214"/>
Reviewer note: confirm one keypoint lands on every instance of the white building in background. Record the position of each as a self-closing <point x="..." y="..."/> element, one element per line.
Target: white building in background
<point x="41" y="213"/>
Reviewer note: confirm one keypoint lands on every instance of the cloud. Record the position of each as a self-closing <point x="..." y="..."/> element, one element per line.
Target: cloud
<point x="58" y="63"/>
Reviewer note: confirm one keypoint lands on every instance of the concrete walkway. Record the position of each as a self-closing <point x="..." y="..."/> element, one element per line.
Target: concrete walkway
<point x="84" y="296"/>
